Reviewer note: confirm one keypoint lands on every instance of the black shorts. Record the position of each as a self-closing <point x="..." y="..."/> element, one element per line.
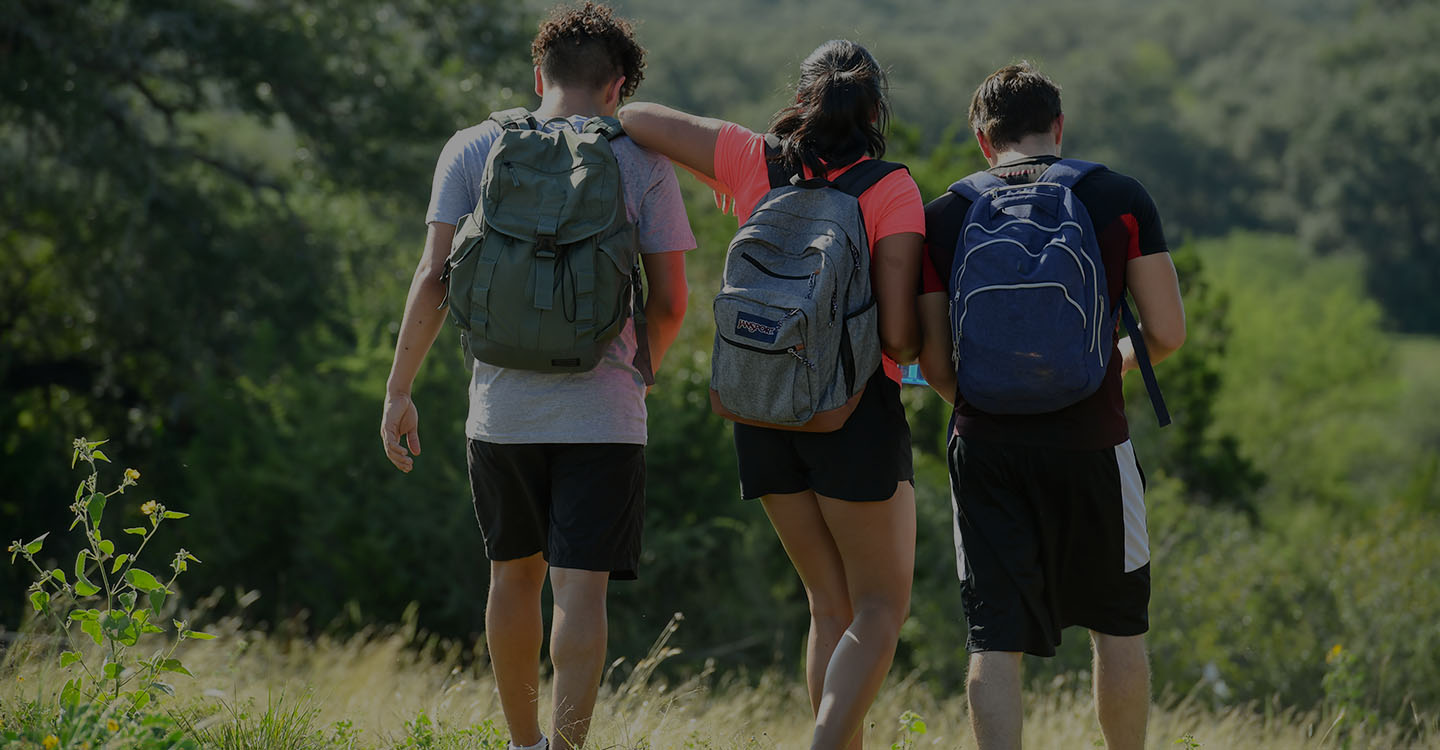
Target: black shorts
<point x="581" y="505"/>
<point x="861" y="461"/>
<point x="1047" y="538"/>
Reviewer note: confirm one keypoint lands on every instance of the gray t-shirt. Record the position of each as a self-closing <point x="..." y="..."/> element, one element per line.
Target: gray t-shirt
<point x="607" y="403"/>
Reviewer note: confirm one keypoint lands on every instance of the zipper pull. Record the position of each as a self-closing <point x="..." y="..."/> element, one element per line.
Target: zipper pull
<point x="514" y="179"/>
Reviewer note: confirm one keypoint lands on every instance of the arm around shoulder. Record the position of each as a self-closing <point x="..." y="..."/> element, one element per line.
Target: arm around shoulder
<point x="686" y="139"/>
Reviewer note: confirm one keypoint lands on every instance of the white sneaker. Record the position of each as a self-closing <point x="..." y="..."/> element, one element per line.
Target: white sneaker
<point x="543" y="744"/>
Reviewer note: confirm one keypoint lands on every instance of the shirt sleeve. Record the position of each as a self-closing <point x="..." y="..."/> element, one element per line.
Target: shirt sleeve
<point x="943" y="217"/>
<point x="452" y="194"/>
<point x="663" y="225"/>
<point x="739" y="155"/>
<point x="1147" y="218"/>
<point x="894" y="206"/>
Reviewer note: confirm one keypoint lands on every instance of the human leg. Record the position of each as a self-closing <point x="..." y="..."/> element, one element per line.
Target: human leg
<point x="577" y="651"/>
<point x="876" y="542"/>
<point x="596" y="523"/>
<point x="1122" y="689"/>
<point x="807" y="540"/>
<point x="993" y="691"/>
<point x="513" y="631"/>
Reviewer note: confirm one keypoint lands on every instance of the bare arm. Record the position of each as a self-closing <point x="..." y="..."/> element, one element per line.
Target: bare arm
<point x="665" y="304"/>
<point x="897" y="265"/>
<point x="683" y="138"/>
<point x="1153" y="283"/>
<point x="418" y="330"/>
<point x="935" y="348"/>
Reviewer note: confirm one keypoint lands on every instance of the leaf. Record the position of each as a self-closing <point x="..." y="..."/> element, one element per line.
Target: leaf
<point x="70" y="695"/>
<point x="136" y="530"/>
<point x="39" y="599"/>
<point x="176" y="514"/>
<point x="199" y="636"/>
<point x="95" y="506"/>
<point x="174" y="665"/>
<point x="92" y="445"/>
<point x="36" y="544"/>
<point x="92" y="629"/>
<point x="100" y="456"/>
<point x="140" y="699"/>
<point x="148" y="628"/>
<point x="127" y="600"/>
<point x="106" y="546"/>
<point x="73" y="458"/>
<point x="157" y="600"/>
<point x="163" y="688"/>
<point x="143" y="580"/>
<point x="119" y="562"/>
<point x="112" y="670"/>
<point x="67" y="658"/>
<point x="58" y="575"/>
<point x="80" y="490"/>
<point x="83" y="586"/>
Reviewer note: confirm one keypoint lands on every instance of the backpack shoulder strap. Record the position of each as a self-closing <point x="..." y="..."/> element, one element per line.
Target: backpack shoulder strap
<point x="518" y="118"/>
<point x="1067" y="172"/>
<point x="778" y="173"/>
<point x="864" y="175"/>
<point x="608" y="127"/>
<point x="976" y="185"/>
<point x="1142" y="358"/>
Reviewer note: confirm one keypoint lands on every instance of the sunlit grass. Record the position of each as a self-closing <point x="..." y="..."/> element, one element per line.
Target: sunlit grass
<point x="396" y="689"/>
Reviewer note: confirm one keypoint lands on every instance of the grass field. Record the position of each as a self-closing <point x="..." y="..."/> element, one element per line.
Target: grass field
<point x="393" y="690"/>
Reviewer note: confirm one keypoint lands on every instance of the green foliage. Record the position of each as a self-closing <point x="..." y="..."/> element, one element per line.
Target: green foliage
<point x="116" y="614"/>
<point x="912" y="726"/>
<point x="95" y="726"/>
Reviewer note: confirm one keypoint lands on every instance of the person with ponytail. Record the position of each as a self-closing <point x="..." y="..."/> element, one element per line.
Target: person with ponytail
<point x="841" y="502"/>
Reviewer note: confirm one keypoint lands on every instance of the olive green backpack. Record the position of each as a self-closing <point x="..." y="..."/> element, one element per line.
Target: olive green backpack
<point x="545" y="271"/>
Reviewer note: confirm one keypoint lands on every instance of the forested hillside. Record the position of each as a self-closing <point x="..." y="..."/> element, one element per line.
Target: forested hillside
<point x="210" y="216"/>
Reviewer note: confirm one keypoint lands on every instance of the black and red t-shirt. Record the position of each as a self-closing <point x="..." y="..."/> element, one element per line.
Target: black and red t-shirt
<point x="1126" y="226"/>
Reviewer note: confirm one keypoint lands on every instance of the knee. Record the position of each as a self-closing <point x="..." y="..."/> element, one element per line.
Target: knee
<point x="887" y="611"/>
<point x="830" y="612"/>
<point x="518" y="577"/>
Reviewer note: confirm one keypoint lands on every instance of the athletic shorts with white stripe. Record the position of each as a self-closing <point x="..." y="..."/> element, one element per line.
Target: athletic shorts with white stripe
<point x="1046" y="538"/>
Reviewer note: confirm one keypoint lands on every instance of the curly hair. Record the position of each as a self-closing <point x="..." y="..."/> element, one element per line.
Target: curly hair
<point x="588" y="46"/>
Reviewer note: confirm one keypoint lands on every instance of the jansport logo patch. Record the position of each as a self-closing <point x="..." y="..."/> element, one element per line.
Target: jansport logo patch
<point x="757" y="328"/>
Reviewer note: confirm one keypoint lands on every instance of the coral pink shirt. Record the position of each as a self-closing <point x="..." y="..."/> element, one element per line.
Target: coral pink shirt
<point x="891" y="206"/>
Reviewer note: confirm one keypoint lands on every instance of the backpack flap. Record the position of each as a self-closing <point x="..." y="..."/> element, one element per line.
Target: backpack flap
<point x="528" y="201"/>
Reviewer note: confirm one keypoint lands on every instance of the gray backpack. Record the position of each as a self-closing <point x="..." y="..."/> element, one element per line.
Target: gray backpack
<point x="795" y="321"/>
<point x="545" y="271"/>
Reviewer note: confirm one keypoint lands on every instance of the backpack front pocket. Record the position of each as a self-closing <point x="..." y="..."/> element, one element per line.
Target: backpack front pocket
<point x="761" y="367"/>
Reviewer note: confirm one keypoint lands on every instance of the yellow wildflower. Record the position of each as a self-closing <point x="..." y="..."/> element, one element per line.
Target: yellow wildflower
<point x="50" y="741"/>
<point x="112" y="726"/>
<point x="1334" y="654"/>
<point x="132" y="475"/>
<point x="149" y="508"/>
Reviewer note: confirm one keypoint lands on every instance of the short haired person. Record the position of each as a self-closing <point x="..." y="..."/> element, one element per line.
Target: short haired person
<point x="557" y="463"/>
<point x="842" y="502"/>
<point x="1049" y="508"/>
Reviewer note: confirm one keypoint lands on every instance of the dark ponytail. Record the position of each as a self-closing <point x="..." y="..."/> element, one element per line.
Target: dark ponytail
<point x="840" y="112"/>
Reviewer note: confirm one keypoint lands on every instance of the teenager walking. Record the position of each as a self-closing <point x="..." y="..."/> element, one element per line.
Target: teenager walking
<point x="1049" y="508"/>
<point x="557" y="462"/>
<point x="842" y="502"/>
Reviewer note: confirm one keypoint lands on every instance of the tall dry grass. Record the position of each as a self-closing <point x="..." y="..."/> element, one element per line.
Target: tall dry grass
<point x="378" y="682"/>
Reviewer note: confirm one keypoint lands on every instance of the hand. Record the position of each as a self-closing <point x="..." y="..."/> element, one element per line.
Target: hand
<point x="724" y="202"/>
<point x="400" y="418"/>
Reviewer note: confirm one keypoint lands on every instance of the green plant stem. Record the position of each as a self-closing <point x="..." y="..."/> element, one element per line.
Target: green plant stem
<point x="49" y="610"/>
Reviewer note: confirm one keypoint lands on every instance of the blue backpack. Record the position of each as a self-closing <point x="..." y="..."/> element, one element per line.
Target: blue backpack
<point x="1030" y="312"/>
